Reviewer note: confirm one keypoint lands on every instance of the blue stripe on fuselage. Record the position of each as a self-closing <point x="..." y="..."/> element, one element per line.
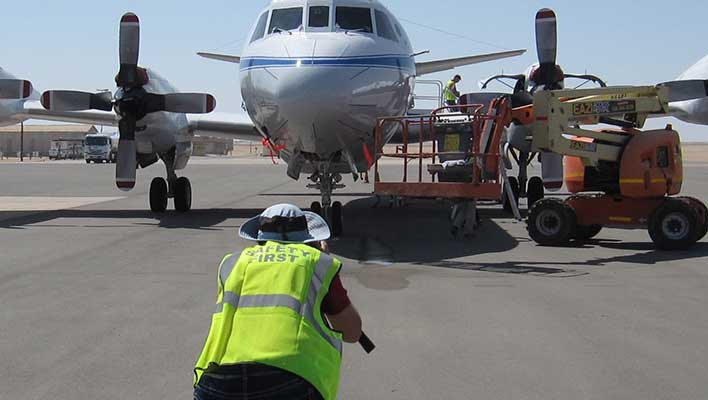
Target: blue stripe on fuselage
<point x="404" y="63"/>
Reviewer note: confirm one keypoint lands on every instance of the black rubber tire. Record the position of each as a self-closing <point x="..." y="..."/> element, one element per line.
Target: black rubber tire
<point x="88" y="161"/>
<point x="674" y="217"/>
<point x="535" y="191"/>
<point x="316" y="208"/>
<point x="514" y="183"/>
<point x="701" y="210"/>
<point x="336" y="219"/>
<point x="183" y="195"/>
<point x="586" y="232"/>
<point x="158" y="195"/>
<point x="551" y="222"/>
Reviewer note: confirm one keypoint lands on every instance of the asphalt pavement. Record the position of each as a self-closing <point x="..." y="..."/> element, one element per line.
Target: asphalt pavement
<point x="101" y="299"/>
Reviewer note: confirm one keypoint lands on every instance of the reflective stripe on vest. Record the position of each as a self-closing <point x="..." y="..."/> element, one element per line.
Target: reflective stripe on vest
<point x="278" y="300"/>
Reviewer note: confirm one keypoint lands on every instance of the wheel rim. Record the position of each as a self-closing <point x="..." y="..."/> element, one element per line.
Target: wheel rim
<point x="675" y="226"/>
<point x="548" y="222"/>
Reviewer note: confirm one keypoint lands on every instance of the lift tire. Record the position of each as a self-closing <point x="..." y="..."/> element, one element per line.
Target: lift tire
<point x="336" y="219"/>
<point x="586" y="232"/>
<point x="183" y="194"/>
<point x="674" y="225"/>
<point x="88" y="161"/>
<point x="535" y="191"/>
<point x="702" y="212"/>
<point x="158" y="195"/>
<point x="316" y="208"/>
<point x="514" y="183"/>
<point x="551" y="222"/>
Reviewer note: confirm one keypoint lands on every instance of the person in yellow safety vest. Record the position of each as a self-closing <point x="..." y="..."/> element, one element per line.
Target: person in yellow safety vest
<point x="451" y="92"/>
<point x="281" y="314"/>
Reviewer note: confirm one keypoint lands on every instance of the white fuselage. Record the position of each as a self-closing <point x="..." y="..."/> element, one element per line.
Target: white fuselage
<point x="318" y="90"/>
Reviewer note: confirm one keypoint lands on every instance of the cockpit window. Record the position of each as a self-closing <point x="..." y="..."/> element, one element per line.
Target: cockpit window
<point x="285" y="19"/>
<point x="383" y="26"/>
<point x="354" y="19"/>
<point x="319" y="17"/>
<point x="259" y="32"/>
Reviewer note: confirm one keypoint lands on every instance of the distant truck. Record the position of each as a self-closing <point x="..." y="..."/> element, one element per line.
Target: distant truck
<point x="65" y="149"/>
<point x="100" y="148"/>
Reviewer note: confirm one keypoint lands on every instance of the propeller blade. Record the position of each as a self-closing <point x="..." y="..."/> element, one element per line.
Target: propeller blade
<point x="129" y="50"/>
<point x="686" y="90"/>
<point x="70" y="100"/>
<point x="188" y="103"/>
<point x="546" y="36"/>
<point x="15" y="89"/>
<point x="127" y="162"/>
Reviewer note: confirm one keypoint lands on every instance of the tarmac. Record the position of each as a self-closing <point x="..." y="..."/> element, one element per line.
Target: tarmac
<point x="101" y="299"/>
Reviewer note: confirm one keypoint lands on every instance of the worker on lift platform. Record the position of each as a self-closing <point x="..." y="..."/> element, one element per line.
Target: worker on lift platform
<point x="451" y="92"/>
<point x="269" y="338"/>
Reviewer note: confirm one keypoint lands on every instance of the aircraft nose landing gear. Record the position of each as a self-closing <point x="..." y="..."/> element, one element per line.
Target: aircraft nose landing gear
<point x="326" y="183"/>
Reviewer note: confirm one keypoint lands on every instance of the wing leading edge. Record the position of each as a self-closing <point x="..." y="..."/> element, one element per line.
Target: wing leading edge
<point x="428" y="67"/>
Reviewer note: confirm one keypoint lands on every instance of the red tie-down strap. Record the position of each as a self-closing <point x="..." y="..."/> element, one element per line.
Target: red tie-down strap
<point x="274" y="149"/>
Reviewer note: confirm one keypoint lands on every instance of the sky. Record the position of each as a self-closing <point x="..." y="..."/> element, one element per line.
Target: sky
<point x="72" y="44"/>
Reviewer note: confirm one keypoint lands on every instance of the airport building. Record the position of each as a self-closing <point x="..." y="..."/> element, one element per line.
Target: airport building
<point x="38" y="138"/>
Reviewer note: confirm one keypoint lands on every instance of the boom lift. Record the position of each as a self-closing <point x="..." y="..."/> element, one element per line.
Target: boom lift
<point x="620" y="176"/>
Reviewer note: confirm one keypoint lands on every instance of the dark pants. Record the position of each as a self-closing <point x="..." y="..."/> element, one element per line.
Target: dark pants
<point x="253" y="382"/>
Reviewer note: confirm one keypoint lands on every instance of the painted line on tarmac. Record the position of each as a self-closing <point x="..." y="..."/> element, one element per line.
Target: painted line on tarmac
<point x="37" y="203"/>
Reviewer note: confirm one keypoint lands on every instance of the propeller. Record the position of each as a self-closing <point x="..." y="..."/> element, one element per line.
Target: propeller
<point x="548" y="73"/>
<point x="15" y="89"/>
<point x="686" y="90"/>
<point x="132" y="102"/>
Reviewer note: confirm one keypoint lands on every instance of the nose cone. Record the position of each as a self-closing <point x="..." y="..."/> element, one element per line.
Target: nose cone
<point x="310" y="102"/>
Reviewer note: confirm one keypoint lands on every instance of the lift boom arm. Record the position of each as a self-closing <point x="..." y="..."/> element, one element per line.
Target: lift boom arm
<point x="560" y="113"/>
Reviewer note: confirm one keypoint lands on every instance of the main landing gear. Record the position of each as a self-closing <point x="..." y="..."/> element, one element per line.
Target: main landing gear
<point x="326" y="183"/>
<point x="178" y="189"/>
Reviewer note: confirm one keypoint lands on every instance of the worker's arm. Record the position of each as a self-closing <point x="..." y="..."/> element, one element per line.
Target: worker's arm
<point x="348" y="322"/>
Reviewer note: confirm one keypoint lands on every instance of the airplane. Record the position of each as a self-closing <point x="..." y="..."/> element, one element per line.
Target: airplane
<point x="315" y="75"/>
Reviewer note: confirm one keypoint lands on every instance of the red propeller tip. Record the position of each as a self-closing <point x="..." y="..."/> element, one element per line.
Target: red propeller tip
<point x="27" y="89"/>
<point x="545" y="14"/>
<point x="46" y="100"/>
<point x="130" y="18"/>
<point x="125" y="185"/>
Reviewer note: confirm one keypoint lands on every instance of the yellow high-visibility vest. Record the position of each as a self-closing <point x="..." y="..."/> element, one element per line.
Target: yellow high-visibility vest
<point x="449" y="94"/>
<point x="268" y="312"/>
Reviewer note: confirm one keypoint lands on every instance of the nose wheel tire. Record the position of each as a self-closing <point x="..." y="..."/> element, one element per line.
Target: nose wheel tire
<point x="158" y="195"/>
<point x="535" y="191"/>
<point x="316" y="208"/>
<point x="674" y="225"/>
<point x="333" y="216"/>
<point x="183" y="194"/>
<point x="551" y="222"/>
<point x="337" y="219"/>
<point x="506" y="201"/>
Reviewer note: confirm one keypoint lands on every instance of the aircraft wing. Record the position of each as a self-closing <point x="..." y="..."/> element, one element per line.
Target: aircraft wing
<point x="221" y="57"/>
<point x="224" y="125"/>
<point x="429" y="67"/>
<point x="34" y="110"/>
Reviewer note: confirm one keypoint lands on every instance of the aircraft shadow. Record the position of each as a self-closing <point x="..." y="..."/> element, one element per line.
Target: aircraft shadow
<point x="206" y="219"/>
<point x="418" y="232"/>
